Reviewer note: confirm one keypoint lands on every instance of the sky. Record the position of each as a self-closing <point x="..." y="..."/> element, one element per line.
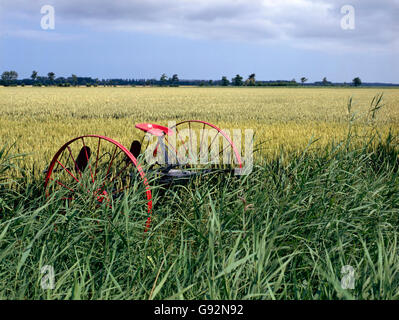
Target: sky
<point x="202" y="39"/>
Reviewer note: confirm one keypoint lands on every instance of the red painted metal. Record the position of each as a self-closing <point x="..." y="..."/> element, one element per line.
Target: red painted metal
<point x="154" y="129"/>
<point x="126" y="152"/>
<point x="238" y="157"/>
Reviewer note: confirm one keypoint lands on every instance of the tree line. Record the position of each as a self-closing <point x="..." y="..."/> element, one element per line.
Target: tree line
<point x="10" y="78"/>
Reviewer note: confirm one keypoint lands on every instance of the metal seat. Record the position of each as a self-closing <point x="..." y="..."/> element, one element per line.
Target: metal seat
<point x="154" y="129"/>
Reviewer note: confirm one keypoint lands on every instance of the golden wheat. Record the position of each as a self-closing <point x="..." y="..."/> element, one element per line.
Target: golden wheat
<point x="40" y="120"/>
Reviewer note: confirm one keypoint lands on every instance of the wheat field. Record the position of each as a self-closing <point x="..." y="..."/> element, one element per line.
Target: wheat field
<point x="285" y="231"/>
<point x="40" y="120"/>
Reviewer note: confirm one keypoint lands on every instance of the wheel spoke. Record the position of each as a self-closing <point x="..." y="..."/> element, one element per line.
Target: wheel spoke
<point x="87" y="157"/>
<point x="112" y="159"/>
<point x="58" y="165"/>
<point x="110" y="164"/>
<point x="98" y="151"/>
<point x="191" y="139"/>
<point x="202" y="136"/>
<point x="169" y="146"/>
<point x="69" y="172"/>
<point x="73" y="159"/>
<point x="214" y="138"/>
<point x="224" y="149"/>
<point x="61" y="184"/>
<point x="184" y="144"/>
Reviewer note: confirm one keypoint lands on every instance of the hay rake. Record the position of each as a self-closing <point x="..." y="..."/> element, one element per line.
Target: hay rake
<point x="104" y="169"/>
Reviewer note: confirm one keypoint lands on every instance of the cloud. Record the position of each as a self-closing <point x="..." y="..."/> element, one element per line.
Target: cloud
<point x="313" y="24"/>
<point x="40" y="35"/>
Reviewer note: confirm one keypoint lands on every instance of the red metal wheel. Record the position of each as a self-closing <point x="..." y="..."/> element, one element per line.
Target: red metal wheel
<point x="226" y="152"/>
<point x="194" y="146"/>
<point x="97" y="166"/>
<point x="213" y="144"/>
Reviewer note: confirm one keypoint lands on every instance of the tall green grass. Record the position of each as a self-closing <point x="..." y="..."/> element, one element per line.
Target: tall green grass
<point x="283" y="232"/>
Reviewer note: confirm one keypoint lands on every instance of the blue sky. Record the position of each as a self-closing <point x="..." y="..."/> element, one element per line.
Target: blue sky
<point x="203" y="39"/>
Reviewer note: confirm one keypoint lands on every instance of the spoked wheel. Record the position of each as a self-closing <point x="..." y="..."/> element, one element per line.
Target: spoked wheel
<point x="99" y="169"/>
<point x="197" y="148"/>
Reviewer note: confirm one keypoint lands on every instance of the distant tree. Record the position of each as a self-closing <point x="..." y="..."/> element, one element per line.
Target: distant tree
<point x="210" y="82"/>
<point x="251" y="81"/>
<point x="163" y="79"/>
<point x="34" y="75"/>
<point x="13" y="75"/>
<point x="237" y="80"/>
<point x="325" y="81"/>
<point x="5" y="76"/>
<point x="174" y="80"/>
<point x="74" y="79"/>
<point x="303" y="80"/>
<point x="9" y="76"/>
<point x="357" y="82"/>
<point x="225" y="82"/>
<point x="51" y="76"/>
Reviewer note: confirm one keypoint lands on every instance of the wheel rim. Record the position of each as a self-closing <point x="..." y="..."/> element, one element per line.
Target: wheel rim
<point x="198" y="145"/>
<point x="98" y="166"/>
